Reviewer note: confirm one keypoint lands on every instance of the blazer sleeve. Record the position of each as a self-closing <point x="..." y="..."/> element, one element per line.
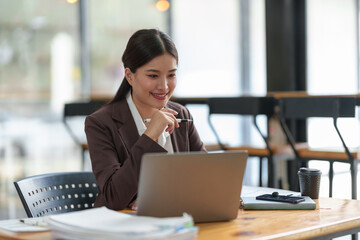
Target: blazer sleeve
<point x="117" y="173"/>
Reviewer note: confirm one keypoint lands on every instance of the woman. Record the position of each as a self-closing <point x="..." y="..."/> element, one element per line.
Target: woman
<point x="118" y="134"/>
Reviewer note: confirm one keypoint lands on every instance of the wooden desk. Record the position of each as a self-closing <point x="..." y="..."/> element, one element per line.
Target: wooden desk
<point x="332" y="218"/>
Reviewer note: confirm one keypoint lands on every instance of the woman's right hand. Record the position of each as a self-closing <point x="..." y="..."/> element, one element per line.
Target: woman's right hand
<point x="164" y="119"/>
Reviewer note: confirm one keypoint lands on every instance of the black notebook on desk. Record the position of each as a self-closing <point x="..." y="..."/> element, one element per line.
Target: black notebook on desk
<point x="251" y="203"/>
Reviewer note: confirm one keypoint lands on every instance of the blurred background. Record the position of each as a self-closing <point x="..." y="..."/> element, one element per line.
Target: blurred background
<point x="57" y="51"/>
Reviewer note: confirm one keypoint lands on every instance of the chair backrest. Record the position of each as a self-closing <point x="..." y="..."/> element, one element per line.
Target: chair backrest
<point x="249" y="105"/>
<point x="242" y="105"/>
<point x="305" y="107"/>
<point x="80" y="109"/>
<point x="56" y="193"/>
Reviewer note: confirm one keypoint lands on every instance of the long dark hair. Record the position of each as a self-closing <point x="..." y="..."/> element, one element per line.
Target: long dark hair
<point x="143" y="46"/>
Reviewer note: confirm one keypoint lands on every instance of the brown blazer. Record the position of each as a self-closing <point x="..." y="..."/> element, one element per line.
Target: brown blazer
<point x="116" y="149"/>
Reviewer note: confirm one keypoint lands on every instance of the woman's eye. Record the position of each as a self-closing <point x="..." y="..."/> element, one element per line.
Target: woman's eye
<point x="152" y="76"/>
<point x="172" y="75"/>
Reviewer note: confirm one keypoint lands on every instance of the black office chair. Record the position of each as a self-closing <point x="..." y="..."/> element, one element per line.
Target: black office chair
<point x="324" y="107"/>
<point x="251" y="106"/>
<point x="56" y="193"/>
<point x="80" y="109"/>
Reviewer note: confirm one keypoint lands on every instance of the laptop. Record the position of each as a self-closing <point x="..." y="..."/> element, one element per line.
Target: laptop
<point x="205" y="185"/>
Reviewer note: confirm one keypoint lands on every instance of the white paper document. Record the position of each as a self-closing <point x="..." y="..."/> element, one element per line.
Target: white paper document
<point x="23" y="225"/>
<point x="102" y="223"/>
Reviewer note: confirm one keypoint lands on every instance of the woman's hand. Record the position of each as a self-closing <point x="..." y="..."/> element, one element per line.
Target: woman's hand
<point x="164" y="119"/>
<point x="133" y="205"/>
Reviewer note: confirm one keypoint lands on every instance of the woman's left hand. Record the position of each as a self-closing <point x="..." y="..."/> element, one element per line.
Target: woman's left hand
<point x="133" y="205"/>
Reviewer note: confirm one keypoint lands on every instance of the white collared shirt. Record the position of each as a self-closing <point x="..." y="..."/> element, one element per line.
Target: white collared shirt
<point x="164" y="140"/>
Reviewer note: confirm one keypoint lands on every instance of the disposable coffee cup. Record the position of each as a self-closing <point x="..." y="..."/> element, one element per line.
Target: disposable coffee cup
<point x="309" y="179"/>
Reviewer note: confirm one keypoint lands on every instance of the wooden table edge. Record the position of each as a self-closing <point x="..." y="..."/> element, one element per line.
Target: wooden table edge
<point x="315" y="231"/>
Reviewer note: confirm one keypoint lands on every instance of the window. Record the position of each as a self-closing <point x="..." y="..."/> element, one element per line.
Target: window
<point x="112" y="22"/>
<point x="332" y="70"/>
<point x="332" y="63"/>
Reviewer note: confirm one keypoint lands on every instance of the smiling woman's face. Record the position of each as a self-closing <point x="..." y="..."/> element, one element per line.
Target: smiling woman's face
<point x="153" y="84"/>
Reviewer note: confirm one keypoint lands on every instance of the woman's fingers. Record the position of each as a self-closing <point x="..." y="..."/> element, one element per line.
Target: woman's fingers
<point x="133" y="205"/>
<point x="168" y="115"/>
<point x="164" y="119"/>
<point x="171" y="114"/>
<point x="169" y="110"/>
<point x="171" y="123"/>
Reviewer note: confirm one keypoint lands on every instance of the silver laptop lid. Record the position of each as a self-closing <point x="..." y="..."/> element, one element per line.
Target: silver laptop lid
<point x="204" y="185"/>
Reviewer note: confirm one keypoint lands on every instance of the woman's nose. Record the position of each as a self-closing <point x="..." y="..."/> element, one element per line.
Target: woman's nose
<point x="162" y="83"/>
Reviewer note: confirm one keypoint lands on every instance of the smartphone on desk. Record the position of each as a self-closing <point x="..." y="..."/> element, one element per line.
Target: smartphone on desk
<point x="280" y="198"/>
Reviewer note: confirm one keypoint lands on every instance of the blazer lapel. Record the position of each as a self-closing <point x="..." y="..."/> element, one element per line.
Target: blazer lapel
<point x="126" y="124"/>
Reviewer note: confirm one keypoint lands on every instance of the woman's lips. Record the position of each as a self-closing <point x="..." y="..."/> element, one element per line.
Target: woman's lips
<point x="159" y="96"/>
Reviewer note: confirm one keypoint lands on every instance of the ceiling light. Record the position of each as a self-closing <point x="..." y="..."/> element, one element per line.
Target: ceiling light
<point x="162" y="5"/>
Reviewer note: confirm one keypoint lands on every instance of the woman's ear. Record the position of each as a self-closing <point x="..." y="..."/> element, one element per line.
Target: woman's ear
<point x="129" y="76"/>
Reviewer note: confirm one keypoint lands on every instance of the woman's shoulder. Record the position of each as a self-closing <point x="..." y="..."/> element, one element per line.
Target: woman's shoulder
<point x="102" y="111"/>
<point x="112" y="111"/>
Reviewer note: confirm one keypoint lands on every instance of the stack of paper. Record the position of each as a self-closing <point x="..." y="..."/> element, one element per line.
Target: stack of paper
<point x="102" y="223"/>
